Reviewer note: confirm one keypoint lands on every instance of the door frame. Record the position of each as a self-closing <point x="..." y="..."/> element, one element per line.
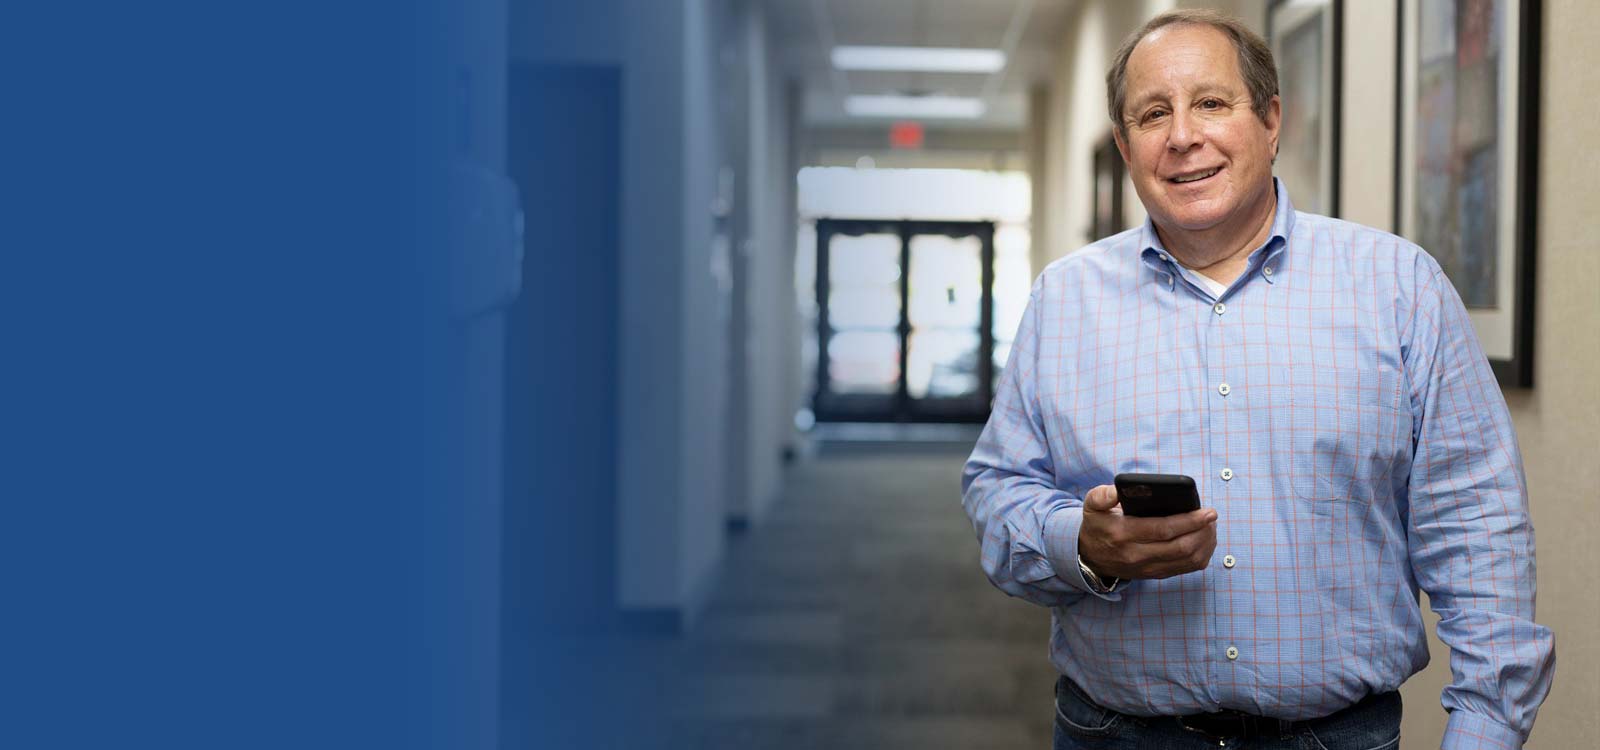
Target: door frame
<point x="901" y="407"/>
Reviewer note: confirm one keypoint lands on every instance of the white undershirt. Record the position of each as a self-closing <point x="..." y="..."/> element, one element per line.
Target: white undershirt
<point x="1212" y="285"/>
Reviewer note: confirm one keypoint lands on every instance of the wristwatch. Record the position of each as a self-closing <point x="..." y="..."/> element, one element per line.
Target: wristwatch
<point x="1096" y="583"/>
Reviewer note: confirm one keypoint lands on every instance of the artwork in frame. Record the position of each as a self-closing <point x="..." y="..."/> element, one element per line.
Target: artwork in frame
<point x="1305" y="36"/>
<point x="1465" y="168"/>
<point x="1106" y="212"/>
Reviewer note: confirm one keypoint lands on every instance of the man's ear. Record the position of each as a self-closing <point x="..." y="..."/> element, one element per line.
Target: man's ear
<point x="1273" y="122"/>
<point x="1122" y="143"/>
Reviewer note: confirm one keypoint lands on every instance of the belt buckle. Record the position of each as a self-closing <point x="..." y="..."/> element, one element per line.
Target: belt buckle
<point x="1245" y="726"/>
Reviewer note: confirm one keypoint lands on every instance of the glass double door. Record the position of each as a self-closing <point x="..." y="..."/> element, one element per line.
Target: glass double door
<point x="905" y="312"/>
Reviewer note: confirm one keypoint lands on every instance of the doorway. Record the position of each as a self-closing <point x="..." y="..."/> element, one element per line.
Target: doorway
<point x="905" y="313"/>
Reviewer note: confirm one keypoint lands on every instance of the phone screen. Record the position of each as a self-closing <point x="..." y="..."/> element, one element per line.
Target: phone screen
<point x="1149" y="495"/>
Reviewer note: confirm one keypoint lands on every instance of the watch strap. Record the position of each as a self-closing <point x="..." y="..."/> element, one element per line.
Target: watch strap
<point x="1097" y="584"/>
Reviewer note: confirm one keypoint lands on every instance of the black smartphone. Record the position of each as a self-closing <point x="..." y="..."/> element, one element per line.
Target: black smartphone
<point x="1147" y="495"/>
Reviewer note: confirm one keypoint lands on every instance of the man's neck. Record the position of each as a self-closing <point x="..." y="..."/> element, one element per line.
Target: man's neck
<point x="1222" y="253"/>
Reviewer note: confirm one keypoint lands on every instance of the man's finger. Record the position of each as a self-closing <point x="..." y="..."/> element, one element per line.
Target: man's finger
<point x="1101" y="499"/>
<point x="1168" y="528"/>
<point x="1178" y="553"/>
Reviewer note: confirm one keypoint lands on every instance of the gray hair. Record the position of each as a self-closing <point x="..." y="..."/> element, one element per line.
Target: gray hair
<point x="1255" y="60"/>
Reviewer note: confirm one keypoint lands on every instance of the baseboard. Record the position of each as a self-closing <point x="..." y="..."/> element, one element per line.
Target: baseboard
<point x="673" y="621"/>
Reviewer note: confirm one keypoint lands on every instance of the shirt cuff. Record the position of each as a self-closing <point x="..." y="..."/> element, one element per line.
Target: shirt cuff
<point x="1061" y="546"/>
<point x="1469" y="731"/>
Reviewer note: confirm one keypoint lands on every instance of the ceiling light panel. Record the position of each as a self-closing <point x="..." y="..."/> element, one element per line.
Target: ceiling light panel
<point x="931" y="107"/>
<point x="919" y="59"/>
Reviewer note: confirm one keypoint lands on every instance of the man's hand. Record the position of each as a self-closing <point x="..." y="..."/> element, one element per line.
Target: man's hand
<point x="1113" y="544"/>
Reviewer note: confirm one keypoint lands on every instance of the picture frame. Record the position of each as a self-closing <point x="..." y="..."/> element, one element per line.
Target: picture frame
<point x="1466" y="162"/>
<point x="1306" y="37"/>
<point x="1106" y="213"/>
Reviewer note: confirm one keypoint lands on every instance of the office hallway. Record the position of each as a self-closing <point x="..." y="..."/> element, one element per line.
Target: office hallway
<point x="856" y="617"/>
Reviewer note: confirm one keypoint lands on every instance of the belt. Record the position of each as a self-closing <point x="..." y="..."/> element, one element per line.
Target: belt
<point x="1231" y="725"/>
<point x="1226" y="725"/>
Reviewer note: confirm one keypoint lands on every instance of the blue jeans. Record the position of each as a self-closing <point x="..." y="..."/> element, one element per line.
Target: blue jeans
<point x="1082" y="724"/>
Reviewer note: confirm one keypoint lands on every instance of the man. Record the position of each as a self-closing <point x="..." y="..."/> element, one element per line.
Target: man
<point x="1322" y="384"/>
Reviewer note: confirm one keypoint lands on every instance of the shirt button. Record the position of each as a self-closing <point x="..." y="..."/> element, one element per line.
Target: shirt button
<point x="1227" y="474"/>
<point x="1267" y="270"/>
<point x="1228" y="561"/>
<point x="1163" y="257"/>
<point x="1224" y="389"/>
<point x="1233" y="653"/>
<point x="1219" y="308"/>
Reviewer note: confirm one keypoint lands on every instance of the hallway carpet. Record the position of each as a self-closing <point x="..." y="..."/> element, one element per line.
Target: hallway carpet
<point x="856" y="617"/>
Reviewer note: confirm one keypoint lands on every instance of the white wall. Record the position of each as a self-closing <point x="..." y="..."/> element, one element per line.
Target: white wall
<point x="674" y="318"/>
<point x="769" y="257"/>
<point x="703" y="308"/>
<point x="670" y="335"/>
<point x="674" y="411"/>
<point x="648" y="409"/>
<point x="796" y="380"/>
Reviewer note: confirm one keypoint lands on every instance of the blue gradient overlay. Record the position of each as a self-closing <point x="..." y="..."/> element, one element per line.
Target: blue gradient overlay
<point x="245" y="500"/>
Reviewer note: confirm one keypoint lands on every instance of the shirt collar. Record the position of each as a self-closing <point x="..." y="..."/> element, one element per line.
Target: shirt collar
<point x="1282" y="229"/>
<point x="1155" y="254"/>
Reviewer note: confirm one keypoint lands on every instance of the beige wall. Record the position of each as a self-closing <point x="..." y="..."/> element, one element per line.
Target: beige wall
<point x="1078" y="120"/>
<point x="1558" y="420"/>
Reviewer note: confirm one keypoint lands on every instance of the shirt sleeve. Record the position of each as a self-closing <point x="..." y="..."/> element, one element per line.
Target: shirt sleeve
<point x="1027" y="528"/>
<point x="1471" y="541"/>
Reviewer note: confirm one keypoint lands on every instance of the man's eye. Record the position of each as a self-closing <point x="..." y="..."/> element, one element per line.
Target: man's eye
<point x="1154" y="114"/>
<point x="1210" y="104"/>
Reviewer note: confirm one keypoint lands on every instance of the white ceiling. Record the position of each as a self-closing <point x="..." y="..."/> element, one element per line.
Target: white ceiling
<point x="806" y="30"/>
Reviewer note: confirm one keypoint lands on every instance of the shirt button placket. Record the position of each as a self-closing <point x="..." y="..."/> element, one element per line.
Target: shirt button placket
<point x="1226" y="473"/>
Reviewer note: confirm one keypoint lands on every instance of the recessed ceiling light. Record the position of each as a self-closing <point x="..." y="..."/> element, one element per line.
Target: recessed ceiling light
<point x="921" y="59"/>
<point x="954" y="107"/>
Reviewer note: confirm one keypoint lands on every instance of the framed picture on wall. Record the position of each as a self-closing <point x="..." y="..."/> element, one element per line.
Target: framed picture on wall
<point x="1305" y="38"/>
<point x="1106" y="213"/>
<point x="1465" y="169"/>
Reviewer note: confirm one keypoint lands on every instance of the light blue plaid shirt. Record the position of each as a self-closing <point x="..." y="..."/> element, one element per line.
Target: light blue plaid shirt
<point x="1334" y="407"/>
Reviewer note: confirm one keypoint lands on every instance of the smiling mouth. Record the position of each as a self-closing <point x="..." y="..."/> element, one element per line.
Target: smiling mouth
<point x="1191" y="177"/>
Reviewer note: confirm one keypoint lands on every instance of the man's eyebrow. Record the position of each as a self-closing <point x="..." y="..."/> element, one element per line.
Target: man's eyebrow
<point x="1216" y="87"/>
<point x="1143" y="101"/>
<point x="1208" y="88"/>
<point x="1131" y="111"/>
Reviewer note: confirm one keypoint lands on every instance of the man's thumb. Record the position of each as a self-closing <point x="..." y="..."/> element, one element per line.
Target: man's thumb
<point x="1101" y="499"/>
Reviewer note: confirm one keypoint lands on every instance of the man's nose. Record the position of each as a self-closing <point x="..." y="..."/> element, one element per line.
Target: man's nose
<point x="1183" y="132"/>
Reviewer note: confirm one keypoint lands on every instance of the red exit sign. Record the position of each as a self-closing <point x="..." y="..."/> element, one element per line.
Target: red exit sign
<point x="905" y="135"/>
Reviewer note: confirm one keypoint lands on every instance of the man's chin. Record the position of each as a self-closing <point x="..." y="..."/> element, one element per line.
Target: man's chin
<point x="1192" y="218"/>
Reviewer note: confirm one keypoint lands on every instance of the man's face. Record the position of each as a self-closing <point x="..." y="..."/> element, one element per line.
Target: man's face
<point x="1199" y="156"/>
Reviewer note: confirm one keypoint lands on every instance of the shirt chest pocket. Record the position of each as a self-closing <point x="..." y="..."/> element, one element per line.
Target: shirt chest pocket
<point x="1343" y="431"/>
